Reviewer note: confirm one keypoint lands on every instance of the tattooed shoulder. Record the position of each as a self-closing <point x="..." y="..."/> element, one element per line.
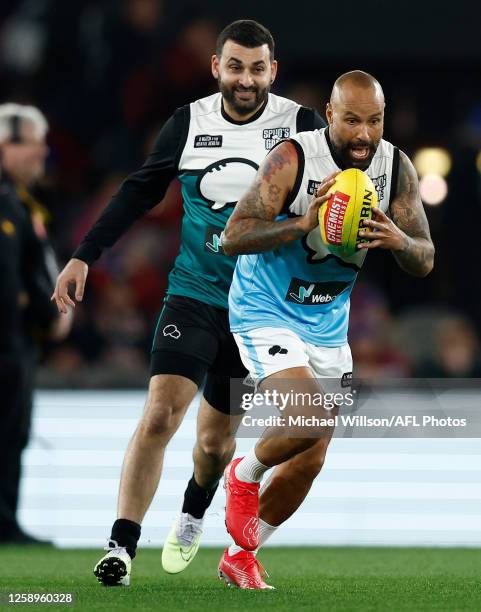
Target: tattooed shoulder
<point x="284" y="154"/>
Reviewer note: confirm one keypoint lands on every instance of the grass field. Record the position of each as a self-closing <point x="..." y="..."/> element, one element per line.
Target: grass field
<point x="324" y="579"/>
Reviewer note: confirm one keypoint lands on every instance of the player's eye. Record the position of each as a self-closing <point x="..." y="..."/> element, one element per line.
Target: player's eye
<point x="350" y="121"/>
<point x="234" y="67"/>
<point x="259" y="69"/>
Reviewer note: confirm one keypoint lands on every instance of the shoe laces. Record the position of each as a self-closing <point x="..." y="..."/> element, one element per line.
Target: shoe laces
<point x="252" y="561"/>
<point x="262" y="571"/>
<point x="188" y="527"/>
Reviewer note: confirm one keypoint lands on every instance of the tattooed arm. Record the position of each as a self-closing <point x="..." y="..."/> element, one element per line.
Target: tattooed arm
<point x="407" y="234"/>
<point x="252" y="227"/>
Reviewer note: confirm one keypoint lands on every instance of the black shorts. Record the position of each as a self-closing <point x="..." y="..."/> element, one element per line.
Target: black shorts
<point x="193" y="339"/>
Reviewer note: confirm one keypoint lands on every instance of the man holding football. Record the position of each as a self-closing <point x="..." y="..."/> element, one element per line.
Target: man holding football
<point x="289" y="290"/>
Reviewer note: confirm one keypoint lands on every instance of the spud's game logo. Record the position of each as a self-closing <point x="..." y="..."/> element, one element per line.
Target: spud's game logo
<point x="272" y="136"/>
<point x="380" y="183"/>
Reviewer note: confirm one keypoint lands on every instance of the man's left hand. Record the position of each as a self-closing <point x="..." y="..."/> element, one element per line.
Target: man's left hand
<point x="382" y="233"/>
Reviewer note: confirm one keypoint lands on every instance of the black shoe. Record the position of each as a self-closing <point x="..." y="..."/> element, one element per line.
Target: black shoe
<point x="20" y="537"/>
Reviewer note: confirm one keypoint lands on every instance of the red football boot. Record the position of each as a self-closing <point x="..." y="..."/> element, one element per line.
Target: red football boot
<point x="241" y="509"/>
<point x="242" y="570"/>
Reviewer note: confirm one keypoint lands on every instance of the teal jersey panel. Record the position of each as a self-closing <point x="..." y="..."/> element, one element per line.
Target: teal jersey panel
<point x="202" y="271"/>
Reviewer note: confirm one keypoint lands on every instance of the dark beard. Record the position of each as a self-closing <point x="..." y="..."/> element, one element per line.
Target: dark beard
<point x="349" y="162"/>
<point x="243" y="108"/>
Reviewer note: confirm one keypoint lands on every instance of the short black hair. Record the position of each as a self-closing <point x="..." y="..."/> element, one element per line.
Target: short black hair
<point x="247" y="33"/>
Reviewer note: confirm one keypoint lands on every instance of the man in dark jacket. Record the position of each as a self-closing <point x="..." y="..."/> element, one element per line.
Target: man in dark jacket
<point x="26" y="284"/>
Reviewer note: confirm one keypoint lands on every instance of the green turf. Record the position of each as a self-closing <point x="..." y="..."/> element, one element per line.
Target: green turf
<point x="324" y="579"/>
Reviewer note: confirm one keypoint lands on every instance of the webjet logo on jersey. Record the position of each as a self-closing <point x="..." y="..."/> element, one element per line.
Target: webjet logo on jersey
<point x="309" y="294"/>
<point x="213" y="242"/>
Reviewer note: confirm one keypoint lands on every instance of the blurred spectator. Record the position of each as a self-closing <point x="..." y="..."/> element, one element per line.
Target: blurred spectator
<point x="27" y="315"/>
<point x="457" y="353"/>
<point x="370" y="331"/>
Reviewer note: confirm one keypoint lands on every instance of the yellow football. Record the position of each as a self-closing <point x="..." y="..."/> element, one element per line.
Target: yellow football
<point x="352" y="198"/>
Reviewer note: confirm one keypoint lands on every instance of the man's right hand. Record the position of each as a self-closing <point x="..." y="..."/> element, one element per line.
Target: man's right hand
<point x="310" y="219"/>
<point x="74" y="273"/>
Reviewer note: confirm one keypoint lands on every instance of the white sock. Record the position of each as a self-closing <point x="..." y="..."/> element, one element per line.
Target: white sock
<point x="250" y="469"/>
<point x="265" y="532"/>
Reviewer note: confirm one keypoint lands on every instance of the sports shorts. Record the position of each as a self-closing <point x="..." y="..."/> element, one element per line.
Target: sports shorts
<point x="267" y="350"/>
<point x="192" y="339"/>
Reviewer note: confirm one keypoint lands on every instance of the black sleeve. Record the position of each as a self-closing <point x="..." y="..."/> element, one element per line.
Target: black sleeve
<point x="37" y="279"/>
<point x="309" y="119"/>
<point x="140" y="191"/>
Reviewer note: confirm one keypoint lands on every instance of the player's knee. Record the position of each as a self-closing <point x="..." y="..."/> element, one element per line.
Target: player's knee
<point x="305" y="466"/>
<point x="216" y="447"/>
<point x="308" y="465"/>
<point x="161" y="418"/>
<point x="301" y="445"/>
<point x="311" y="468"/>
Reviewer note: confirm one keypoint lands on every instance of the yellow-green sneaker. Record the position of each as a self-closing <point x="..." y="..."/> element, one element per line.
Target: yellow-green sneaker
<point x="182" y="543"/>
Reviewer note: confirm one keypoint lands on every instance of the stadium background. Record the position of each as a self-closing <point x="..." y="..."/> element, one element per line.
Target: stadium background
<point x="107" y="75"/>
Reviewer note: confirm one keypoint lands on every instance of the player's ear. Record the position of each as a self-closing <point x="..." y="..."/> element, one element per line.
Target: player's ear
<point x="329" y="113"/>
<point x="215" y="66"/>
<point x="273" y="71"/>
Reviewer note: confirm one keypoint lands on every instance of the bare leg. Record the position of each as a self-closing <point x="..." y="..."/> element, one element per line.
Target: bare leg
<point x="278" y="445"/>
<point x="215" y="444"/>
<point x="290" y="483"/>
<point x="167" y="401"/>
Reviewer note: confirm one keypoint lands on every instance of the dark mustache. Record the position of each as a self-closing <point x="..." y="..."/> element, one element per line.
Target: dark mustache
<point x="246" y="89"/>
<point x="361" y="144"/>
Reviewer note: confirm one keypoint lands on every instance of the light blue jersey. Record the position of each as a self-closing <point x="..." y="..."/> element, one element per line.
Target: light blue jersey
<point x="302" y="286"/>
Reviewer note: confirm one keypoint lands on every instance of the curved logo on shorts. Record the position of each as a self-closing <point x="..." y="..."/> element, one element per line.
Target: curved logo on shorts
<point x="274" y="350"/>
<point x="222" y="183"/>
<point x="172" y="331"/>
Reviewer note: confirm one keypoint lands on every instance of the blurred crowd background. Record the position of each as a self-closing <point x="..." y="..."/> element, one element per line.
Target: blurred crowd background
<point x="107" y="74"/>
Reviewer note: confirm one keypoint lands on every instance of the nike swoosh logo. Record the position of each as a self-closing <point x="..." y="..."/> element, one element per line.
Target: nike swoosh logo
<point x="187" y="557"/>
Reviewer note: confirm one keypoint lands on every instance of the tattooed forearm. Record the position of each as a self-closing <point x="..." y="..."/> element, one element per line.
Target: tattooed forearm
<point x="417" y="254"/>
<point x="260" y="236"/>
<point x="256" y="230"/>
<point x="252" y="227"/>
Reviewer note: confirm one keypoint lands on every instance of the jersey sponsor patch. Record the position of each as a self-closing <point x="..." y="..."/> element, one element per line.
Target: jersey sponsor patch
<point x="207" y="141"/>
<point x="274" y="135"/>
<point x="313" y="186"/>
<point x="213" y="242"/>
<point x="309" y="294"/>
